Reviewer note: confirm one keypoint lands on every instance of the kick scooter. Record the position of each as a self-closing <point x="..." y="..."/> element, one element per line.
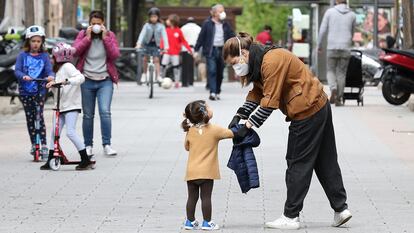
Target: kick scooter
<point x="59" y="157"/>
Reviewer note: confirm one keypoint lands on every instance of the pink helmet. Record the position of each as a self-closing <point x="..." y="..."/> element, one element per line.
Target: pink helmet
<point x="63" y="52"/>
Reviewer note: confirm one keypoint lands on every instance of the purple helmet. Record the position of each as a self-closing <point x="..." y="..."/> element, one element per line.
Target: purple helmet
<point x="63" y="52"/>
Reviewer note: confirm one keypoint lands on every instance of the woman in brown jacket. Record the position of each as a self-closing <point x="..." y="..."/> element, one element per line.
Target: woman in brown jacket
<point x="281" y="81"/>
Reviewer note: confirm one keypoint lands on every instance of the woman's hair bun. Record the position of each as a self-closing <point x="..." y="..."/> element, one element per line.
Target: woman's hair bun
<point x="246" y="37"/>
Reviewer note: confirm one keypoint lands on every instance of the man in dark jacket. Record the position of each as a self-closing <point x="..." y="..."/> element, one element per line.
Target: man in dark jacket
<point x="214" y="32"/>
<point x="242" y="160"/>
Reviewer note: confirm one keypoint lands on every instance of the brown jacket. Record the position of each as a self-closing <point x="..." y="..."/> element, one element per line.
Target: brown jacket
<point x="288" y="84"/>
<point x="203" y="160"/>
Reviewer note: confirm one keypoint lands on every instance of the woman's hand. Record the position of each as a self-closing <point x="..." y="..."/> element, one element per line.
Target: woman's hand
<point x="27" y="78"/>
<point x="89" y="32"/>
<point x="249" y="125"/>
<point x="104" y="31"/>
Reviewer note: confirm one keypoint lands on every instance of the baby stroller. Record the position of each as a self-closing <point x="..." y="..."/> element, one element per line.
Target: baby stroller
<point x="354" y="84"/>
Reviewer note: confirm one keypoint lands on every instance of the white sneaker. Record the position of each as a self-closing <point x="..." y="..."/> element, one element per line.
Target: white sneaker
<point x="341" y="218"/>
<point x="109" y="151"/>
<point x="159" y="79"/>
<point x="89" y="151"/>
<point x="284" y="223"/>
<point x="143" y="78"/>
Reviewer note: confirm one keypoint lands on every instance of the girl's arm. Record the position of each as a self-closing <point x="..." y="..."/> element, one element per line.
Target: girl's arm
<point x="224" y="133"/>
<point x="186" y="143"/>
<point x="48" y="66"/>
<point x="75" y="77"/>
<point x="142" y="34"/>
<point x="165" y="37"/>
<point x="111" y="46"/>
<point x="82" y="42"/>
<point x="184" y="42"/>
<point x="18" y="68"/>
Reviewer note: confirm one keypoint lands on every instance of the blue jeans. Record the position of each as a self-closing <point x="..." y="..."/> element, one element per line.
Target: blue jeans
<point x="101" y="91"/>
<point x="215" y="68"/>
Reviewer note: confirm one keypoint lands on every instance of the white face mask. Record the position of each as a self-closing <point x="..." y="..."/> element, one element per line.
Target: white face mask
<point x="222" y="15"/>
<point x="241" y="68"/>
<point x="96" y="28"/>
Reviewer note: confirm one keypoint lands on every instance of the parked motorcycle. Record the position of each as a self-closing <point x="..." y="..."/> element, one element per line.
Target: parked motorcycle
<point x="398" y="75"/>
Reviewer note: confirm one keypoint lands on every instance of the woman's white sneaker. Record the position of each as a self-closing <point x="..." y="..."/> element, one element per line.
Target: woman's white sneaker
<point x="109" y="151"/>
<point x="341" y="218"/>
<point x="89" y="151"/>
<point x="284" y="223"/>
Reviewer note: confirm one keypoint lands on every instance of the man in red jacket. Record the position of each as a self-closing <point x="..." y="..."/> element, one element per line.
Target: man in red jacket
<point x="175" y="40"/>
<point x="265" y="36"/>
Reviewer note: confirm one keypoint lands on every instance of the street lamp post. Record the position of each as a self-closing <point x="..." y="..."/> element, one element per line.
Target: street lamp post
<point x="375" y="24"/>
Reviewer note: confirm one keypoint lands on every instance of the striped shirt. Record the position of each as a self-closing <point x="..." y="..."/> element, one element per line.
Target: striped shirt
<point x="258" y="118"/>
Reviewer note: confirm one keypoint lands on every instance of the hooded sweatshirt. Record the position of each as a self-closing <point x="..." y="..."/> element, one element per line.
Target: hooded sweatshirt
<point x="339" y="23"/>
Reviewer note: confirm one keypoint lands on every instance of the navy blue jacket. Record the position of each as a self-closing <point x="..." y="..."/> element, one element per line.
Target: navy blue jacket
<point x="243" y="162"/>
<point x="206" y="36"/>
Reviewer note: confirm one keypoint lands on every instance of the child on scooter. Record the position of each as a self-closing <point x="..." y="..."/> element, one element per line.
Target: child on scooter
<point x="70" y="101"/>
<point x="33" y="63"/>
<point x="202" y="167"/>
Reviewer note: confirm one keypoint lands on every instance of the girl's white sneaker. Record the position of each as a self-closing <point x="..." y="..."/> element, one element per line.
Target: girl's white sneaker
<point x="284" y="223"/>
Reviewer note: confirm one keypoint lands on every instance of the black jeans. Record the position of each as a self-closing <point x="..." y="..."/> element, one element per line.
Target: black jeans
<point x="187" y="69"/>
<point x="199" y="188"/>
<point x="311" y="146"/>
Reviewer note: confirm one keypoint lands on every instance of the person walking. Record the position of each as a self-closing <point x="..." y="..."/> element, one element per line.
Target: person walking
<point x="31" y="64"/>
<point x="338" y="23"/>
<point x="201" y="141"/>
<point x="282" y="81"/>
<point x="214" y="32"/>
<point x="175" y="41"/>
<point x="265" y="37"/>
<point x="97" y="49"/>
<point x="190" y="31"/>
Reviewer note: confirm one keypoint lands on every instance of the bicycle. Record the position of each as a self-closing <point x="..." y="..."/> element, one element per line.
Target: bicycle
<point x="151" y="78"/>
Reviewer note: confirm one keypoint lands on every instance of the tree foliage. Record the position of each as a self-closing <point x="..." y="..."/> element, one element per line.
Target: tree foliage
<point x="255" y="15"/>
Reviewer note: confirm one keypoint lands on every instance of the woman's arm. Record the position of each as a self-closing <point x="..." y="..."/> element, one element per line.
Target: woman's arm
<point x="82" y="43"/>
<point x="111" y="46"/>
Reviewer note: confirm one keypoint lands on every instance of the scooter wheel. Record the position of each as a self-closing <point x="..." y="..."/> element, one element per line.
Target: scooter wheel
<point x="54" y="164"/>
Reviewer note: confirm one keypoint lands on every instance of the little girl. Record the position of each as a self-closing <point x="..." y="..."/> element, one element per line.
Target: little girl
<point x="203" y="167"/>
<point x="33" y="63"/>
<point x="70" y="101"/>
<point x="176" y="41"/>
<point x="150" y="37"/>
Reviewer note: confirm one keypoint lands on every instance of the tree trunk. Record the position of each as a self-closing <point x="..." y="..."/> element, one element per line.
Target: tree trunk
<point x="29" y="13"/>
<point x="135" y="14"/>
<point x="113" y="15"/>
<point x="408" y="18"/>
<point x="69" y="13"/>
<point x="2" y="8"/>
<point x="46" y="13"/>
